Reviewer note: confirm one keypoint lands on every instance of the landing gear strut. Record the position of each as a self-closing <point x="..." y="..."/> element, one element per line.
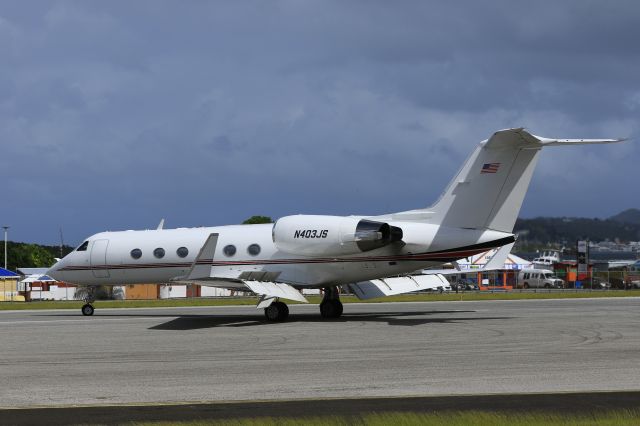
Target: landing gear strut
<point x="277" y="312"/>
<point x="87" y="309"/>
<point x="331" y="307"/>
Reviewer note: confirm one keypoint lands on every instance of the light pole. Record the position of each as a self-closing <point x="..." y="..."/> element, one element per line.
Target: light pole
<point x="5" y="246"/>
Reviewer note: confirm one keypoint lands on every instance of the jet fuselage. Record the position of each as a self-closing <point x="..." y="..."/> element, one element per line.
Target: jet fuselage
<point x="166" y="255"/>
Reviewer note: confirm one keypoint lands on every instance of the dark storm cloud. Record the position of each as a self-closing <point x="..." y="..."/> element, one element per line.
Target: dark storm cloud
<point x="115" y="114"/>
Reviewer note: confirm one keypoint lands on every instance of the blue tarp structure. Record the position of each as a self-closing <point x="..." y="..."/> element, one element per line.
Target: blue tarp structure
<point x="45" y="278"/>
<point x="39" y="279"/>
<point x="8" y="274"/>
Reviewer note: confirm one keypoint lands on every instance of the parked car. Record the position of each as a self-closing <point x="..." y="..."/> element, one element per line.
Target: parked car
<point x="623" y="284"/>
<point x="538" y="278"/>
<point x="599" y="283"/>
<point x="439" y="289"/>
<point x="465" y="285"/>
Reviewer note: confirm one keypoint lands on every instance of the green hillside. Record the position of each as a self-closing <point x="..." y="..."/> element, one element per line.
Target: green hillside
<point x="628" y="216"/>
<point x="544" y="231"/>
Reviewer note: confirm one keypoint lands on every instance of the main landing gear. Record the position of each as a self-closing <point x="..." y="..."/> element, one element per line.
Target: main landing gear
<point x="331" y="307"/>
<point x="277" y="311"/>
<point x="87" y="309"/>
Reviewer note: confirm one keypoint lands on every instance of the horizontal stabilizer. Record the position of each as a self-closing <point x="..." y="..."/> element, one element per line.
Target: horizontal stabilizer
<point x="520" y="138"/>
<point x="398" y="285"/>
<point x="279" y="290"/>
<point x="561" y="142"/>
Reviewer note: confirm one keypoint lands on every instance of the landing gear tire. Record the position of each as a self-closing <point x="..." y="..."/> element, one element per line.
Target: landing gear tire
<point x="87" y="310"/>
<point x="277" y="312"/>
<point x="331" y="309"/>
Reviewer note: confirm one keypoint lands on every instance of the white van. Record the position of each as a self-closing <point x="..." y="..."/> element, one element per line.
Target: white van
<point x="538" y="278"/>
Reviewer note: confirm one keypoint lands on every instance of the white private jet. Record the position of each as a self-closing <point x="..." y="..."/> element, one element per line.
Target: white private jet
<point x="476" y="212"/>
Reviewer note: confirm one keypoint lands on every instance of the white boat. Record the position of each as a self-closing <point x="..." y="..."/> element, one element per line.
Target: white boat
<point x="547" y="259"/>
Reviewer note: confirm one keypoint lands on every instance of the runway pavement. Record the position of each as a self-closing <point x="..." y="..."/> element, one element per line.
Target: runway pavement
<point x="118" y="356"/>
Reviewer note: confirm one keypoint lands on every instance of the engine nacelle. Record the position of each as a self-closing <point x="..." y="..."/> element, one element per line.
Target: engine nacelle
<point x="332" y="235"/>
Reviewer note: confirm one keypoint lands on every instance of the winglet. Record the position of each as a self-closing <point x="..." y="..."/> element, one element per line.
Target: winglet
<point x="160" y="225"/>
<point x="498" y="258"/>
<point x="201" y="267"/>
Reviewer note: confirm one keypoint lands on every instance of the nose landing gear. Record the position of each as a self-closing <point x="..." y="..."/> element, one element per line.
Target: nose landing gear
<point x="88" y="309"/>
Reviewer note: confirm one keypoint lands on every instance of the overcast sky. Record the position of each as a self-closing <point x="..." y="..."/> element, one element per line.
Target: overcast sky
<point x="115" y="114"/>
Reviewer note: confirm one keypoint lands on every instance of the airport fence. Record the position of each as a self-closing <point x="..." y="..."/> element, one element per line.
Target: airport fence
<point x="595" y="279"/>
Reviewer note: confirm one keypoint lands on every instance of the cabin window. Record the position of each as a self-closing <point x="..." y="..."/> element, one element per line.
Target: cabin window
<point x="182" y="252"/>
<point x="83" y="246"/>
<point x="136" y="253"/>
<point x="229" y="250"/>
<point x="159" y="252"/>
<point x="253" y="249"/>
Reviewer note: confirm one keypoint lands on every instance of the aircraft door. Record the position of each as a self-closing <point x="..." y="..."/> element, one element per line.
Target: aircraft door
<point x="99" y="259"/>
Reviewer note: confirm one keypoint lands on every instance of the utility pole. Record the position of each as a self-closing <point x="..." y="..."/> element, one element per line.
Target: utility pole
<point x="5" y="245"/>
<point x="61" y="244"/>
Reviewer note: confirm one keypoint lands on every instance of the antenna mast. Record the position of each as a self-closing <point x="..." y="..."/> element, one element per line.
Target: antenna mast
<point x="61" y="244"/>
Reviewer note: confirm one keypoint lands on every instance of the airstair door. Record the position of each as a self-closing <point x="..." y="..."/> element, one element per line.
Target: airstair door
<point x="99" y="259"/>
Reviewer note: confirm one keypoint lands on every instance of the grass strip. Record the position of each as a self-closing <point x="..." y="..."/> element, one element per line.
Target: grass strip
<point x="235" y="301"/>
<point x="467" y="418"/>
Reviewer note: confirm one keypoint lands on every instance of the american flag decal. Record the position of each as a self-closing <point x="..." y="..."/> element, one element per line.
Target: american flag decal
<point x="490" y="168"/>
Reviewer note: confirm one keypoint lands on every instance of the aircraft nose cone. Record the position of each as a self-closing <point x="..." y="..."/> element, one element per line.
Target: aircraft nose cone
<point x="54" y="272"/>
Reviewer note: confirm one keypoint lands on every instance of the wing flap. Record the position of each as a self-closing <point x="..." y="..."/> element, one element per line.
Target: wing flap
<point x="268" y="289"/>
<point x="391" y="286"/>
<point x="272" y="290"/>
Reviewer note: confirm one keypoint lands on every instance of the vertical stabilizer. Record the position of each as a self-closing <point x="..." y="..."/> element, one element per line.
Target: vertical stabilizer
<point x="488" y="191"/>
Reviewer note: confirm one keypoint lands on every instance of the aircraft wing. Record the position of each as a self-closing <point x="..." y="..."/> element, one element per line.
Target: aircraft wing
<point x="397" y="285"/>
<point x="269" y="290"/>
<point x="259" y="282"/>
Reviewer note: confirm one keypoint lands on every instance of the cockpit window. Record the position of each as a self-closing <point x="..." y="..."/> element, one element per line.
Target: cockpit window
<point x="83" y="246"/>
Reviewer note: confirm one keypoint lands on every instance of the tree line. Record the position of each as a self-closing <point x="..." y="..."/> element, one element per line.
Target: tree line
<point x="27" y="255"/>
<point x="544" y="231"/>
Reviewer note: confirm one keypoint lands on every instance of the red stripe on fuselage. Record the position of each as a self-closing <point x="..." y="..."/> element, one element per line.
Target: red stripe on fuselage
<point x="434" y="256"/>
